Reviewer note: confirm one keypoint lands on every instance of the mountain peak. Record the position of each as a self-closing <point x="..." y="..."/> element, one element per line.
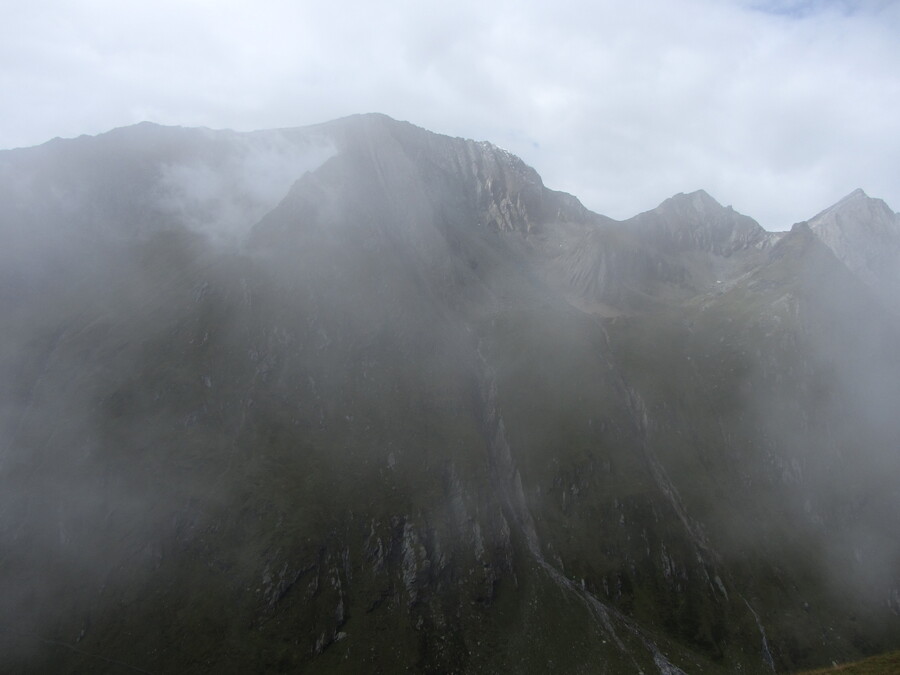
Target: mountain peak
<point x="856" y="203"/>
<point x="864" y="233"/>
<point x="700" y="200"/>
<point x="696" y="221"/>
<point x="855" y="209"/>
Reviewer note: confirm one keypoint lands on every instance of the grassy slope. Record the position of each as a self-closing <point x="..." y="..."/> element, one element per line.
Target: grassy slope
<point x="883" y="664"/>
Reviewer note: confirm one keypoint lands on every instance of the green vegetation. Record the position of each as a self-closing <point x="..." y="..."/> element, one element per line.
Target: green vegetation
<point x="883" y="664"/>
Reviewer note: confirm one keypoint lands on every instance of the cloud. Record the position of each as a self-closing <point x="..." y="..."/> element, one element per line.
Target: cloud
<point x="224" y="195"/>
<point x="779" y="108"/>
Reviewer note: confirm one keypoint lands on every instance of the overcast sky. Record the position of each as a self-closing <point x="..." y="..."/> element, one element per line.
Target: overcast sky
<point x="778" y="108"/>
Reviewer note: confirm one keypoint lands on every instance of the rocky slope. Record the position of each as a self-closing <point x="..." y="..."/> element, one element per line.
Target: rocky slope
<point x="359" y="397"/>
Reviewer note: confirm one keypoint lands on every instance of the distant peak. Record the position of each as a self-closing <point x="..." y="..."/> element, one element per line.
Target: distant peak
<point x="696" y="194"/>
<point x="372" y="117"/>
<point x="857" y="203"/>
<point x="701" y="194"/>
<point x="858" y="195"/>
<point x="360" y="122"/>
<point x="699" y="200"/>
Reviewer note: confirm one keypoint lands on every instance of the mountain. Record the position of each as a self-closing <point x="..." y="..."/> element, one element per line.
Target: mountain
<point x="865" y="234"/>
<point x="361" y="397"/>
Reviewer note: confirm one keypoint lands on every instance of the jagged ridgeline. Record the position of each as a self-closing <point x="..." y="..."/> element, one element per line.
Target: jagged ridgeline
<point x="363" y="398"/>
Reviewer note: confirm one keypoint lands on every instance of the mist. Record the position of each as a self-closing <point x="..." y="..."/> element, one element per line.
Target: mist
<point x="224" y="196"/>
<point x="363" y="394"/>
<point x="113" y="245"/>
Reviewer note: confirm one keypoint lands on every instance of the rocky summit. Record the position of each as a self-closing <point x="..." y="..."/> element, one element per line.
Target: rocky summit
<point x="358" y="397"/>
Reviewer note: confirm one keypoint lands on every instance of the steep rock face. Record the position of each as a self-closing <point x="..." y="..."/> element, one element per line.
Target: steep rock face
<point x="504" y="308"/>
<point x="395" y="429"/>
<point x="498" y="188"/>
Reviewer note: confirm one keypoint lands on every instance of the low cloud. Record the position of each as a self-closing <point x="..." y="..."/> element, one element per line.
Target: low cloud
<point x="223" y="197"/>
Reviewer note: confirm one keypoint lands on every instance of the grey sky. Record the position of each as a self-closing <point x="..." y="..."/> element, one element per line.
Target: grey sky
<point x="778" y="108"/>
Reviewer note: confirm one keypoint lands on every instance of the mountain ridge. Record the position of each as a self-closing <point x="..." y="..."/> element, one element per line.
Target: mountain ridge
<point x="357" y="123"/>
